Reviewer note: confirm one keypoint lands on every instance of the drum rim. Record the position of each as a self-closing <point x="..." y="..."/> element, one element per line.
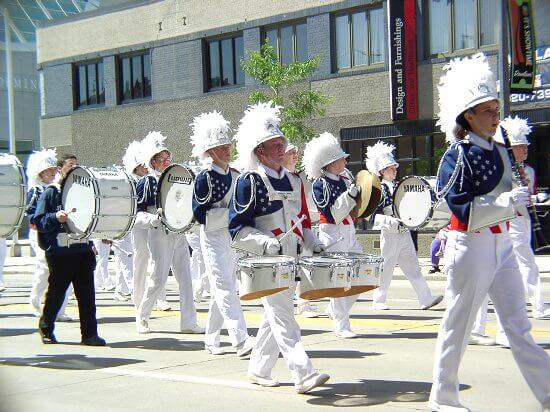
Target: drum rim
<point x="89" y="229"/>
<point x="394" y="208"/>
<point x="357" y="256"/>
<point x="342" y="262"/>
<point x="158" y="202"/>
<point x="22" y="195"/>
<point x="245" y="262"/>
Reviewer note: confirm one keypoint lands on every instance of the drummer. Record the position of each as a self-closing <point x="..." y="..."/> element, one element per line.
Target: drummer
<point x="395" y="240"/>
<point x="335" y="195"/>
<point x="167" y="249"/>
<point x="212" y="193"/>
<point x="267" y="200"/>
<point x="304" y="307"/>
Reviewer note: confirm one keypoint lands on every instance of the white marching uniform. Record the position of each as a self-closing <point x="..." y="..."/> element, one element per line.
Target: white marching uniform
<point x="212" y="195"/>
<point x="102" y="278"/>
<point x="3" y="253"/>
<point x="397" y="247"/>
<point x="124" y="265"/>
<point x="141" y="255"/>
<point x="198" y="269"/>
<point x="330" y="193"/>
<point x="264" y="207"/>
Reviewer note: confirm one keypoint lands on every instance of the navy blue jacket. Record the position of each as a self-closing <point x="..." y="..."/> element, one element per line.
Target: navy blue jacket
<point x="32" y="201"/>
<point x="335" y="188"/>
<point x="221" y="184"/>
<point x="146" y="191"/>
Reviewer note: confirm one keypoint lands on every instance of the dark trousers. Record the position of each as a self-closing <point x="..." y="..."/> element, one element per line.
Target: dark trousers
<point x="77" y="268"/>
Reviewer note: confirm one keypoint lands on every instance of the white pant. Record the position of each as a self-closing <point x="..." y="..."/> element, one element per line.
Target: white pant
<point x="399" y="248"/>
<point x="339" y="308"/>
<point x="198" y="268"/>
<point x="279" y="333"/>
<point x="41" y="274"/>
<point x="102" y="279"/>
<point x="124" y="264"/>
<point x="140" y="262"/>
<point x="3" y="253"/>
<point x="169" y="250"/>
<point x="225" y="307"/>
<point x="477" y="264"/>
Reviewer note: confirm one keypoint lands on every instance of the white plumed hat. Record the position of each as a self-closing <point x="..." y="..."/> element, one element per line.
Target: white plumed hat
<point x="209" y="130"/>
<point x="259" y="124"/>
<point x="38" y="162"/>
<point x="517" y="129"/>
<point x="466" y="83"/>
<point x="132" y="157"/>
<point x="152" y="145"/>
<point x="380" y="156"/>
<point x="319" y="152"/>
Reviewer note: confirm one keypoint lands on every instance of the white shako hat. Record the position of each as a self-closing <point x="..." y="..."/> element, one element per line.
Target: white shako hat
<point x="152" y="145"/>
<point x="380" y="156"/>
<point x="517" y="130"/>
<point x="132" y="157"/>
<point x="209" y="130"/>
<point x="466" y="83"/>
<point x="259" y="124"/>
<point x="290" y="147"/>
<point x="319" y="152"/>
<point x="38" y="162"/>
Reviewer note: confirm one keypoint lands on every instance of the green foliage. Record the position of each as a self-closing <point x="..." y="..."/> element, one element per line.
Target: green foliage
<point x="286" y="86"/>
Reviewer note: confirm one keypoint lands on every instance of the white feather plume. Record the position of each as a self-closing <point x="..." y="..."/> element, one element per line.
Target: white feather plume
<point x="465" y="83"/>
<point x="376" y="153"/>
<point x="151" y="145"/>
<point x="132" y="157"/>
<point x="319" y="152"/>
<point x="517" y="128"/>
<point x="38" y="162"/>
<point x="209" y="130"/>
<point x="259" y="122"/>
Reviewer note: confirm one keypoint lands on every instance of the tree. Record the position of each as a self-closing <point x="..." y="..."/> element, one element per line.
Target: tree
<point x="287" y="86"/>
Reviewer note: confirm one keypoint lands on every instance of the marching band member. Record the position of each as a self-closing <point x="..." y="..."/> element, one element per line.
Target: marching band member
<point x="212" y="193"/>
<point x="304" y="306"/>
<point x="198" y="270"/>
<point x="167" y="249"/>
<point x="269" y="201"/>
<point x="41" y="171"/>
<point x="69" y="261"/>
<point x="103" y="280"/>
<point x="476" y="180"/>
<point x="122" y="249"/>
<point x="396" y="244"/>
<point x="335" y="196"/>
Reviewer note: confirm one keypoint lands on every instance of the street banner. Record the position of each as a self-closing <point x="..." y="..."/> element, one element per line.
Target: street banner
<point x="522" y="45"/>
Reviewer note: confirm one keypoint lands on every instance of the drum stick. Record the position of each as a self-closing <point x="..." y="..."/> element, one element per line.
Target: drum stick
<point x="71" y="211"/>
<point x="333" y="243"/>
<point x="115" y="246"/>
<point x="292" y="228"/>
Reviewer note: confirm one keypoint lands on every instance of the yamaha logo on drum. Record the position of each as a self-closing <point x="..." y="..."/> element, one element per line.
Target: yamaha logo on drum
<point x="81" y="180"/>
<point x="414" y="188"/>
<point x="179" y="179"/>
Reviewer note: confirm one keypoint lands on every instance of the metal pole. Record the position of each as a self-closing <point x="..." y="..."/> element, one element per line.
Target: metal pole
<point x="503" y="67"/>
<point x="9" y="80"/>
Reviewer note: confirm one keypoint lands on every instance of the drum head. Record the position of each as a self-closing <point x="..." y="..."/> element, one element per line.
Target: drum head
<point x="78" y="197"/>
<point x="175" y="196"/>
<point x="412" y="201"/>
<point x="369" y="197"/>
<point x="12" y="194"/>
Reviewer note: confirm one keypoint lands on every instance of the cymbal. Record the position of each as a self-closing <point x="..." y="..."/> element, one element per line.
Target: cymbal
<point x="370" y="195"/>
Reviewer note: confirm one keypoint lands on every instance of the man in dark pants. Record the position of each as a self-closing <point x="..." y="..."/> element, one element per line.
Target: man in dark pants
<point x="68" y="261"/>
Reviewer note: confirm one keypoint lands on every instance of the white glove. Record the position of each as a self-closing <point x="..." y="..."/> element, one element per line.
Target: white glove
<point x="272" y="246"/>
<point x="318" y="248"/>
<point x="155" y="222"/>
<point x="519" y="196"/>
<point x="354" y="191"/>
<point x="393" y="222"/>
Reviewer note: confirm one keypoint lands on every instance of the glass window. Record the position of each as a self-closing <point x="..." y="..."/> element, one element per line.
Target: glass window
<point x="359" y="26"/>
<point x="135" y="77"/>
<point x="289" y="42"/>
<point x="286" y="45"/>
<point x="271" y="36"/>
<point x="147" y="75"/>
<point x="377" y="32"/>
<point x="301" y="42"/>
<point x="82" y="99"/>
<point x="439" y="18"/>
<point x="464" y="30"/>
<point x="239" y="55"/>
<point x="342" y="42"/>
<point x="225" y="62"/>
<point x="126" y="80"/>
<point x="488" y="24"/>
<point x="215" y="68"/>
<point x="92" y="87"/>
<point x="88" y="84"/>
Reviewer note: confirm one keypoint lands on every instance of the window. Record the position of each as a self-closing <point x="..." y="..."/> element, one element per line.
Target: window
<point x="358" y="39"/>
<point x="289" y="42"/>
<point x="89" y="87"/>
<point x="224" y="62"/>
<point x="469" y="24"/>
<point x="134" y="77"/>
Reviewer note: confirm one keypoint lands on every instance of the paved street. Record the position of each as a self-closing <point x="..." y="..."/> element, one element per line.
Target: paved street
<point x="388" y="368"/>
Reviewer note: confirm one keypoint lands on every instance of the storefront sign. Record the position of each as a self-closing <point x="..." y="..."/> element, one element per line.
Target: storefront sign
<point x="522" y="75"/>
<point x="541" y="91"/>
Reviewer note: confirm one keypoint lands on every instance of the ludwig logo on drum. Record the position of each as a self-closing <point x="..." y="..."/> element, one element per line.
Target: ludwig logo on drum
<point x="82" y="180"/>
<point x="180" y="179"/>
<point x="414" y="188"/>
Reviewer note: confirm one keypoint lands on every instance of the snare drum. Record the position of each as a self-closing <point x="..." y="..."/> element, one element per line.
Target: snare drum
<point x="175" y="197"/>
<point x="324" y="276"/>
<point x="12" y="194"/>
<point x="265" y="275"/>
<point x="366" y="273"/>
<point x="415" y="204"/>
<point x="104" y="202"/>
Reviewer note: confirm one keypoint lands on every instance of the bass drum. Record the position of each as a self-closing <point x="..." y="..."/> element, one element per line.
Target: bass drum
<point x="415" y="204"/>
<point x="175" y="197"/>
<point x="101" y="202"/>
<point x="12" y="194"/>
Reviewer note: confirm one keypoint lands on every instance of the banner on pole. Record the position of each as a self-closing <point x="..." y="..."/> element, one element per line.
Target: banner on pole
<point x="522" y="76"/>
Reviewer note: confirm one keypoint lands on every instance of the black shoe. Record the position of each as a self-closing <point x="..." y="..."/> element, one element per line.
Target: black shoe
<point x="434" y="269"/>
<point x="93" y="341"/>
<point x="47" y="338"/>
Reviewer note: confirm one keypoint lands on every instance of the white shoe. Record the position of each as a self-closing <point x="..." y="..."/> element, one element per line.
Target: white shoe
<point x="245" y="348"/>
<point x="502" y="340"/>
<point x="315" y="380"/>
<point x="2" y="288"/>
<point x="328" y="312"/>
<point x="36" y="313"/>
<point x="262" y="381"/>
<point x="120" y="297"/>
<point x="63" y="318"/>
<point x="436" y="407"/>
<point x="307" y="310"/>
<point x="482" y="340"/>
<point x="380" y="306"/>
<point x="192" y="329"/>
<point x="434" y="302"/>
<point x="346" y="334"/>
<point x="109" y="288"/>
<point x="541" y="315"/>
<point x="163" y="305"/>
<point x="214" y="350"/>
<point x="142" y="326"/>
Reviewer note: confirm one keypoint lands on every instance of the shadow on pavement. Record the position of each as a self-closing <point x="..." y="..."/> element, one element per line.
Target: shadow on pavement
<point x="115" y="319"/>
<point x="16" y="332"/>
<point x="340" y="354"/>
<point x="161" y="344"/>
<point x="372" y="392"/>
<point x="68" y="361"/>
<point x="395" y="317"/>
<point x="405" y="335"/>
